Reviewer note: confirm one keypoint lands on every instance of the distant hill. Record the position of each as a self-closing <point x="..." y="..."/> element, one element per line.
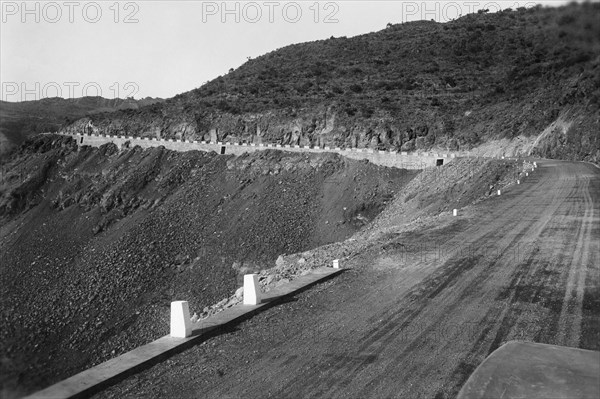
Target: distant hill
<point x="526" y="80"/>
<point x="21" y="119"/>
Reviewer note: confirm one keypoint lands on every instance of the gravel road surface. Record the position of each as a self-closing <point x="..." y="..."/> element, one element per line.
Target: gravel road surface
<point x="419" y="310"/>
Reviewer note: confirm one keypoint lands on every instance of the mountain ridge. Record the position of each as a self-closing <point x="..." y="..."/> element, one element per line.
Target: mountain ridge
<point x="413" y="86"/>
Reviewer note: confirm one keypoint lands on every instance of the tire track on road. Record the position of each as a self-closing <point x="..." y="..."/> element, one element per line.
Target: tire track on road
<point x="569" y="325"/>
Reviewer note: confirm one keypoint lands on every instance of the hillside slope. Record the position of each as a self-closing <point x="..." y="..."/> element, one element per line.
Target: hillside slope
<point x="97" y="242"/>
<point x="457" y="85"/>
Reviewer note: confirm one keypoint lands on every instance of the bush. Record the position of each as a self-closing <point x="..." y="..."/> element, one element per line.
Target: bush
<point x="367" y="112"/>
<point x="351" y="111"/>
<point x="567" y="19"/>
<point x="356" y="88"/>
<point x="337" y="89"/>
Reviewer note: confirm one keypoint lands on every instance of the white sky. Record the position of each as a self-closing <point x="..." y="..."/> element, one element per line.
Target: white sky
<point x="76" y="48"/>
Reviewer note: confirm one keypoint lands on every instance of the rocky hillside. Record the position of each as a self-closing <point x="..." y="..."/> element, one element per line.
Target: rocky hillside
<point x="96" y="242"/>
<point x="21" y="119"/>
<point x="528" y="79"/>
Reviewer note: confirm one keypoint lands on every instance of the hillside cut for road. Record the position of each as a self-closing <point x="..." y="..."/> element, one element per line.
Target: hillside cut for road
<point x="421" y="304"/>
<point x="96" y="242"/>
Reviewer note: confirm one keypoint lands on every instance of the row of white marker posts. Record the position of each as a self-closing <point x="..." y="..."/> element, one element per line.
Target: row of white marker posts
<point x="181" y="324"/>
<point x="526" y="175"/>
<point x="500" y="192"/>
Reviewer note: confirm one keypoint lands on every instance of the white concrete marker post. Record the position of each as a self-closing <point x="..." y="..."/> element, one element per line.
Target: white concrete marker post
<point x="181" y="324"/>
<point x="498" y="192"/>
<point x="251" y="290"/>
<point x="518" y="181"/>
<point x="455" y="212"/>
<point x="526" y="174"/>
<point x="336" y="263"/>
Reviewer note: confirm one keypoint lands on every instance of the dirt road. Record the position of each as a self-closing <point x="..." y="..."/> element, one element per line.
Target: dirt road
<point x="415" y="314"/>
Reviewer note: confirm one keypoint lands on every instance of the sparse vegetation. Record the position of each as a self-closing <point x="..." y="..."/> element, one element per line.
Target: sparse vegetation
<point x="509" y="69"/>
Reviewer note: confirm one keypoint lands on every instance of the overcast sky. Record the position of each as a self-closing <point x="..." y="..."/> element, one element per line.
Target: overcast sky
<point x="162" y="48"/>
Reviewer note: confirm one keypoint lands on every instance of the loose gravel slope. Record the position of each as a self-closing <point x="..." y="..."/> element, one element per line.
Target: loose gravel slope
<point x="96" y="242"/>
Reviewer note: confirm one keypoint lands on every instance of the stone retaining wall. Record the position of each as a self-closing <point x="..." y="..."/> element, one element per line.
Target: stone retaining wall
<point x="384" y="158"/>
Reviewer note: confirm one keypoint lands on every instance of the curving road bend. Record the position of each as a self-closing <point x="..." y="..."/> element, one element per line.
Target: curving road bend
<point x="414" y="315"/>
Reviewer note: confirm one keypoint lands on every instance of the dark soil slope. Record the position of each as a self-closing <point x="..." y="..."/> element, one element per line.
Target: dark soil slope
<point x="96" y="242"/>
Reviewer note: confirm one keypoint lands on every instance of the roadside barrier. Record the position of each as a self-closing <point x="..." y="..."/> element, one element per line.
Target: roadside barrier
<point x="389" y="158"/>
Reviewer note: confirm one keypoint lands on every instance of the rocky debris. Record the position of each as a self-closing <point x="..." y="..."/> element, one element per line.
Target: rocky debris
<point x="469" y="175"/>
<point x="106" y="238"/>
<point x="184" y="226"/>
